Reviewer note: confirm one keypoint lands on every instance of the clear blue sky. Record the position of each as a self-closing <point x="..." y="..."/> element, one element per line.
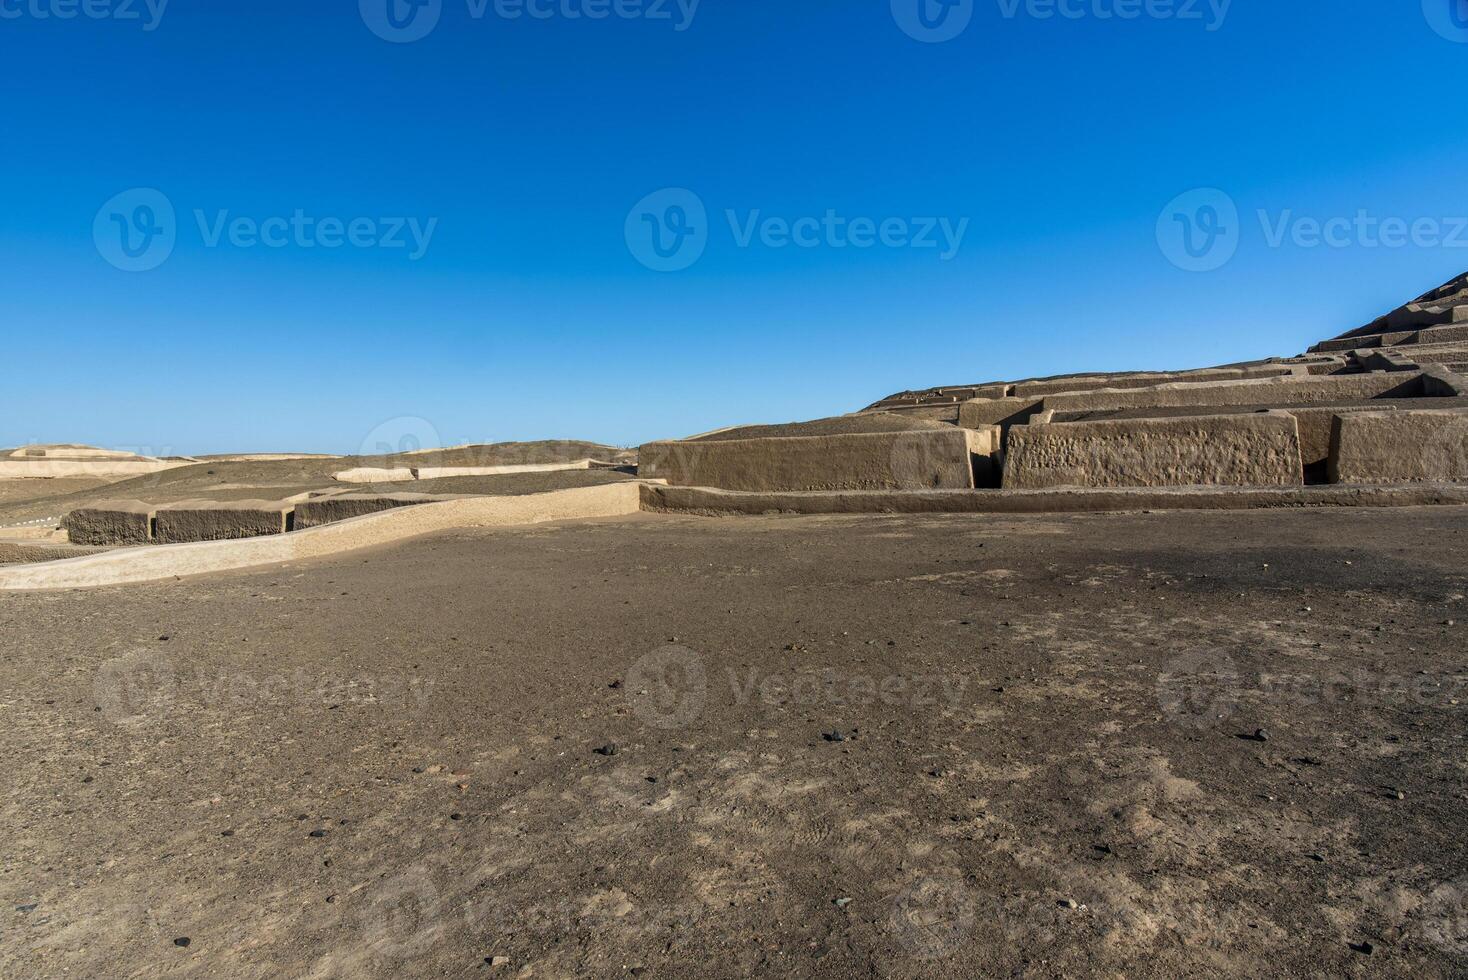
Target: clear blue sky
<point x="528" y="141"/>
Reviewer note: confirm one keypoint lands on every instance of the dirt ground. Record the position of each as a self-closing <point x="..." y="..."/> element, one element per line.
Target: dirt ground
<point x="1188" y="744"/>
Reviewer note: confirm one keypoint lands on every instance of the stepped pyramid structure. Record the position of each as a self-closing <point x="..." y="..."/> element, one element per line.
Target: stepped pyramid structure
<point x="1381" y="405"/>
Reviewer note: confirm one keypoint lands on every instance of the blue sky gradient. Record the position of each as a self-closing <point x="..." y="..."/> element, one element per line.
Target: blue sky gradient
<point x="1060" y="140"/>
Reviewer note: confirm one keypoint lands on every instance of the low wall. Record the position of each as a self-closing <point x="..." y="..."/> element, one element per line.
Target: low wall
<point x="984" y="412"/>
<point x="403" y="474"/>
<point x="923" y="458"/>
<point x="214" y="520"/>
<point x="1035" y="389"/>
<point x="1205" y="450"/>
<point x="706" y="501"/>
<point x="50" y="469"/>
<point x="329" y="510"/>
<point x="1223" y="394"/>
<point x="1400" y="447"/>
<point x="372" y="474"/>
<point x="120" y="522"/>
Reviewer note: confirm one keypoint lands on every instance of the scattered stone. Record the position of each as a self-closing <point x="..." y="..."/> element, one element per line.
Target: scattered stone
<point x="497" y="960"/>
<point x="456" y="816"/>
<point x="182" y="941"/>
<point x="609" y="749"/>
<point x="317" y="833"/>
<point x="615" y="685"/>
<point x="1068" y="903"/>
<point x="28" y="907"/>
<point x="1364" y="948"/>
<point x="841" y="903"/>
<point x="833" y="736"/>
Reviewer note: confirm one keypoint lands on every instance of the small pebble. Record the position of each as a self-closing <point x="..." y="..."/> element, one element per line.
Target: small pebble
<point x="317" y="833"/>
<point x="609" y="749"/>
<point x="182" y="941"/>
<point x="1068" y="903"/>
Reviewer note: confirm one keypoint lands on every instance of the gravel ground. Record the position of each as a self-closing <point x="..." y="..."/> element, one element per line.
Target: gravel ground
<point x="1187" y="744"/>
